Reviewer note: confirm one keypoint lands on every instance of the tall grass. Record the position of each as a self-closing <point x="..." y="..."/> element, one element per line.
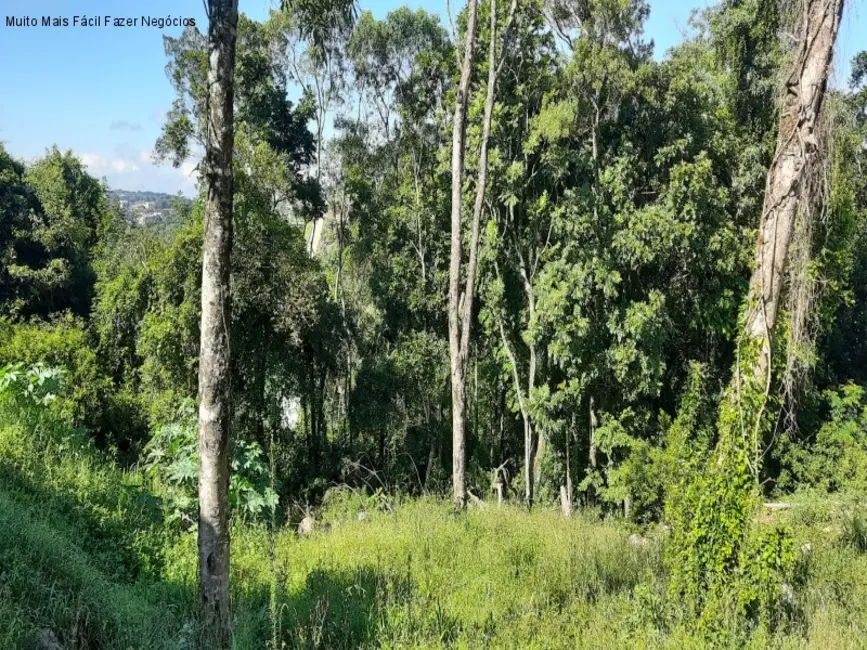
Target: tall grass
<point x="85" y="552"/>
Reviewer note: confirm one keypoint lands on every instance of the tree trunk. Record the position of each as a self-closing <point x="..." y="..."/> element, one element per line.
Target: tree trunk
<point x="536" y="437"/>
<point x="788" y="178"/>
<point x="529" y="440"/>
<point x="790" y="189"/>
<point x="566" y="490"/>
<point x="459" y="124"/>
<point x="459" y="323"/>
<point x="592" y="423"/>
<point x="431" y="459"/>
<point x="214" y="373"/>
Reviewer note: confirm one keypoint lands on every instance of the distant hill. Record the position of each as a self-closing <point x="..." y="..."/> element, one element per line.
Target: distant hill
<point x="143" y="207"/>
<point x="160" y="199"/>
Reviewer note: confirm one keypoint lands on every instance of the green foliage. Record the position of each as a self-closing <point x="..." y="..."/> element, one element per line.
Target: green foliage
<point x="61" y="343"/>
<point x="346" y="504"/>
<point x="36" y="385"/>
<point x="855" y="531"/>
<point x="85" y="553"/>
<point x="837" y="460"/>
<point x="88" y="396"/>
<point x="54" y="214"/>
<point x="767" y="569"/>
<point x="172" y="458"/>
<point x="711" y="517"/>
<point x="81" y="540"/>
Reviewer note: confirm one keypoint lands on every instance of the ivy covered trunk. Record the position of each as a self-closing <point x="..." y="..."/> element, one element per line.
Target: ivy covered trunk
<point x="789" y="188"/>
<point x="214" y="376"/>
<point x="792" y="192"/>
<point x="711" y="518"/>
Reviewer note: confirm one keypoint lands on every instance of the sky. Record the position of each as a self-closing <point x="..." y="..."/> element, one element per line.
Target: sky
<point x="103" y="93"/>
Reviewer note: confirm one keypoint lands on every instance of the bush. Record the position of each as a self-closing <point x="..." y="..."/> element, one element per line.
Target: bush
<point x="88" y="397"/>
<point x="839" y="458"/>
<point x="172" y="457"/>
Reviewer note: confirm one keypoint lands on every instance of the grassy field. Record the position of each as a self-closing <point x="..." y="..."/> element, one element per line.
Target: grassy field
<point x="84" y="553"/>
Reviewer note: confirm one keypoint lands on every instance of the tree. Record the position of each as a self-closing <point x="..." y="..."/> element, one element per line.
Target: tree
<point x="519" y="232"/>
<point x="458" y="364"/>
<point x="793" y="190"/>
<point x="214" y="355"/>
<point x="54" y="216"/>
<point x="461" y="301"/>
<point x="316" y="36"/>
<point x="711" y="516"/>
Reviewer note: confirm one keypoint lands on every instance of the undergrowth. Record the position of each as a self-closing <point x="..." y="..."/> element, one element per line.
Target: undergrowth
<point x="86" y="552"/>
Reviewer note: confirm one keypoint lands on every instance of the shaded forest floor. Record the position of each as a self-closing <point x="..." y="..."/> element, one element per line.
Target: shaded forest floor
<point x="85" y="552"/>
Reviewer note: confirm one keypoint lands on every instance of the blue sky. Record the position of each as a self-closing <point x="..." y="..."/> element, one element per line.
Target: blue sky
<point x="103" y="92"/>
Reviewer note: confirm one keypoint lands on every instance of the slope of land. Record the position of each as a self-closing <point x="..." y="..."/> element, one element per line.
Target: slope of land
<point x="86" y="558"/>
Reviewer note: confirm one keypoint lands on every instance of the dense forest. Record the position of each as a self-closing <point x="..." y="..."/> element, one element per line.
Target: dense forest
<point x="503" y="333"/>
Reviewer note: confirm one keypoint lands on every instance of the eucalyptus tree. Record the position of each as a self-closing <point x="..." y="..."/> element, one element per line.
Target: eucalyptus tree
<point x="525" y="185"/>
<point x="384" y="191"/>
<point x="458" y="366"/>
<point x="400" y="67"/>
<point x="460" y="310"/>
<point x="214" y="359"/>
<point x="316" y="36"/>
<point x="279" y="298"/>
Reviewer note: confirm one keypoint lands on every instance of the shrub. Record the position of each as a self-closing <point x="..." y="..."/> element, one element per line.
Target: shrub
<point x="172" y="457"/>
<point x="839" y="457"/>
<point x="88" y="397"/>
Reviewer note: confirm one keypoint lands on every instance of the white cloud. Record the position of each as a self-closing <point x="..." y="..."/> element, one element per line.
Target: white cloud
<point x="91" y="160"/>
<point x="130" y="168"/>
<point x="100" y="165"/>
<point x="124" y="125"/>
<point x="123" y="166"/>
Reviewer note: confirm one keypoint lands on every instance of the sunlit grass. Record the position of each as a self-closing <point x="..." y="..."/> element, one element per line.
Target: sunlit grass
<point x="84" y="552"/>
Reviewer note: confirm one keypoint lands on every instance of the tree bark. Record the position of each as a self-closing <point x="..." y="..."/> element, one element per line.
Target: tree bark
<point x="791" y="189"/>
<point x="458" y="368"/>
<point x="566" y="490"/>
<point x="461" y="305"/>
<point x="788" y="178"/>
<point x="214" y="359"/>
<point x="529" y="439"/>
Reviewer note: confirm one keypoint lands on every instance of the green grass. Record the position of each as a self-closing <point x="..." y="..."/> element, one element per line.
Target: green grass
<point x="84" y="552"/>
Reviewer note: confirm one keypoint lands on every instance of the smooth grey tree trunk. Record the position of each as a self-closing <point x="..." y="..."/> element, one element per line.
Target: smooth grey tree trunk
<point x="458" y="368"/>
<point x="214" y="376"/>
<point x="461" y="304"/>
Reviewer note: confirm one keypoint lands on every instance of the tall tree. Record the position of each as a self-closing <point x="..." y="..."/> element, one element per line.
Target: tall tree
<point x="457" y="359"/>
<point x="711" y="515"/>
<point x="214" y="356"/>
<point x="317" y="34"/>
<point x="792" y="193"/>
<point x="461" y="302"/>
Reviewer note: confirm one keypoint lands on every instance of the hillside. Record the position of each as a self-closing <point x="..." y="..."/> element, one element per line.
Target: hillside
<point x="88" y="560"/>
<point x="142" y="207"/>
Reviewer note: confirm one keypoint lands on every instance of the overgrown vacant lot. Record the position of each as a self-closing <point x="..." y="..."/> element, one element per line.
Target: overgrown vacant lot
<point x="84" y="553"/>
